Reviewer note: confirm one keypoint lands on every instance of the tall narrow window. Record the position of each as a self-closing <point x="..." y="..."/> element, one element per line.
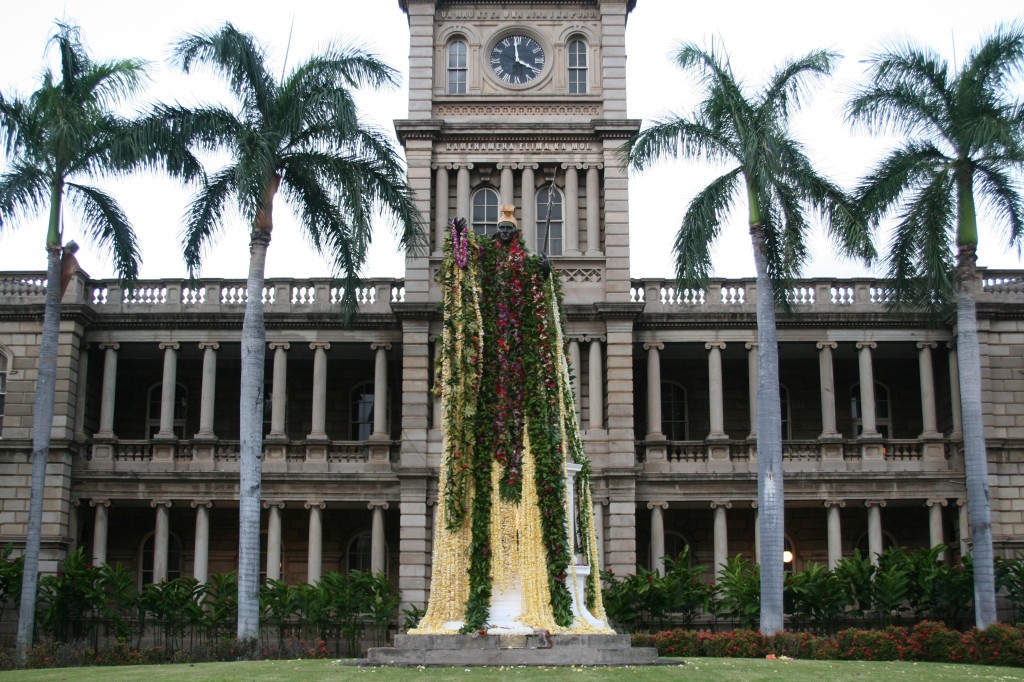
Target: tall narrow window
<point x="673" y="410"/>
<point x="3" y="387"/>
<point x="787" y="433"/>
<point x="577" y="67"/>
<point x="153" y="410"/>
<point x="361" y="416"/>
<point x="485" y="211"/>
<point x="549" y="221"/>
<point x="458" y="67"/>
<point x="883" y="415"/>
<point x="173" y="558"/>
<point x="360" y="553"/>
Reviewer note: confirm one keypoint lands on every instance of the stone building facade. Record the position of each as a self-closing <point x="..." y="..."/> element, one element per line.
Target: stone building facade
<point x="144" y="462"/>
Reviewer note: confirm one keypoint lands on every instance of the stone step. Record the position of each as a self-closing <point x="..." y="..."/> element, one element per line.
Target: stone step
<point x="509" y="641"/>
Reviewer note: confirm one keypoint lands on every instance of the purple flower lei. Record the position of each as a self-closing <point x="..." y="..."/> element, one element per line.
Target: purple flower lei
<point x="460" y="241"/>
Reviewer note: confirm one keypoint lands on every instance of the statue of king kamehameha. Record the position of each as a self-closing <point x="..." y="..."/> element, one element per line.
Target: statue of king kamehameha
<point x="515" y="548"/>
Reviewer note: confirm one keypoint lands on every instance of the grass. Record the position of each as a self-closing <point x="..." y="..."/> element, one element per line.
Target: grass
<point x="701" y="669"/>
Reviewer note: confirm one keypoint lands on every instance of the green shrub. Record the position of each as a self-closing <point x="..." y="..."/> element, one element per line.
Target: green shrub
<point x="995" y="645"/>
<point x="677" y="643"/>
<point x="736" y="644"/>
<point x="930" y="641"/>
<point x="793" y="644"/>
<point x="870" y="645"/>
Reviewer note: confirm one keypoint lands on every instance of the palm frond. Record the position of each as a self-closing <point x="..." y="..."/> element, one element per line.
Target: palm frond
<point x="344" y="64"/>
<point x="904" y="169"/>
<point x="24" y="192"/>
<point x="989" y="67"/>
<point x="674" y="136"/>
<point x="107" y="226"/>
<point x="791" y="83"/>
<point x="204" y="219"/>
<point x="1001" y="193"/>
<point x="702" y="223"/>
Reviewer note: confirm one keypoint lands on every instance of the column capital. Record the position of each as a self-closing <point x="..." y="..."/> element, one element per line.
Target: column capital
<point x="571" y="165"/>
<point x="213" y="345"/>
<point x="166" y="504"/>
<point x="172" y="345"/>
<point x="754" y="504"/>
<point x="377" y="504"/>
<point x="820" y="345"/>
<point x="380" y="345"/>
<point x="325" y="345"/>
<point x="724" y="504"/>
<point x="961" y="501"/>
<point x="874" y="503"/>
<point x="828" y="504"/>
<point x="267" y="504"/>
<point x="750" y="345"/>
<point x="99" y="502"/>
<point x="951" y="345"/>
<point x="318" y="504"/>
<point x="861" y="345"/>
<point x="654" y="345"/>
<point x="76" y="502"/>
<point x="511" y="165"/>
<point x="283" y="345"/>
<point x="936" y="502"/>
<point x="657" y="505"/>
<point x="593" y="166"/>
<point x="109" y="346"/>
<point x="921" y="345"/>
<point x="462" y="166"/>
<point x="195" y="504"/>
<point x="720" y="345"/>
<point x="593" y="337"/>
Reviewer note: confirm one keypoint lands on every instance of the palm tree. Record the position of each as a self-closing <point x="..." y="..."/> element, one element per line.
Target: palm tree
<point x="300" y="134"/>
<point x="66" y="130"/>
<point x="965" y="133"/>
<point x="779" y="183"/>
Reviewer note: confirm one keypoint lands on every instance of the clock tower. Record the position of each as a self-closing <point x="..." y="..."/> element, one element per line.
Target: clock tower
<point x="524" y="102"/>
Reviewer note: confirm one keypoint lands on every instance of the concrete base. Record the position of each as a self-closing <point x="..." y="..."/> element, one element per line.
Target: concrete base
<point x="472" y="650"/>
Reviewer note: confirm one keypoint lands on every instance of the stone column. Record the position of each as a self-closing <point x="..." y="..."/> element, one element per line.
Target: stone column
<point x="657" y="536"/>
<point x="752" y="377"/>
<point x="108" y="391"/>
<point x="593" y="212"/>
<point x="721" y="535"/>
<point x="377" y="539"/>
<point x="380" y="390"/>
<point x="654" y="417"/>
<point x="316" y="541"/>
<point x="867" y="391"/>
<point x="715" y="390"/>
<point x="874" y="528"/>
<point x="757" y="532"/>
<point x="201" y="560"/>
<point x="835" y="532"/>
<point x="964" y="523"/>
<point x="441" y="207"/>
<point x="99" y="531"/>
<point x="572" y="213"/>
<point x="279" y="390"/>
<point x="936" y="534"/>
<point x="273" y="539"/>
<point x="319" y="413"/>
<point x="463" y="209"/>
<point x="599" y="528"/>
<point x="596" y="385"/>
<point x="574" y="363"/>
<point x="529" y="214"/>
<point x="928" y="420"/>
<point x="954" y="393"/>
<point x="161" y="540"/>
<point x="828" y="389"/>
<point x="80" y="393"/>
<point x="168" y="388"/>
<point x="506" y="190"/>
<point x="208" y="399"/>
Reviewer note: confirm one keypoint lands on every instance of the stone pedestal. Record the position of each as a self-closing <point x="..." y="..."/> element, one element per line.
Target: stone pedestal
<point x="560" y="650"/>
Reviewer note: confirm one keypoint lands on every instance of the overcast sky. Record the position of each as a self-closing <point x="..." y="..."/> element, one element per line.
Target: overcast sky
<point x="757" y="35"/>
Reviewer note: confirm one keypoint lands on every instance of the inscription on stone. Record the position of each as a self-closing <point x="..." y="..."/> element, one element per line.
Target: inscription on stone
<point x="512" y="146"/>
<point x="525" y="14"/>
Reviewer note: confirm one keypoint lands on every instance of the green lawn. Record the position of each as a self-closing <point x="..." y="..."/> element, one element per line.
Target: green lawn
<point x="702" y="670"/>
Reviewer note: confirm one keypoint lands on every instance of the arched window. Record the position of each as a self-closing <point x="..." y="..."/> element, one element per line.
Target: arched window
<point x="4" y="364"/>
<point x="673" y="411"/>
<point x="786" y="423"/>
<point x="675" y="543"/>
<point x="577" y="67"/>
<point x="361" y="414"/>
<point x="146" y="558"/>
<point x="458" y="67"/>
<point x="153" y="399"/>
<point x="485" y="211"/>
<point x="359" y="555"/>
<point x="883" y="414"/>
<point x="549" y="221"/>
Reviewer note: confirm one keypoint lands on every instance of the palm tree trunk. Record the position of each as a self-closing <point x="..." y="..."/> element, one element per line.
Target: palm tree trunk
<point x="770" y="494"/>
<point x="975" y="457"/>
<point x="42" y="422"/>
<point x="251" y="436"/>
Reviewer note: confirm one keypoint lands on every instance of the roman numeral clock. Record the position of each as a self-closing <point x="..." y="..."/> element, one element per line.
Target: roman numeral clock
<point x="517" y="59"/>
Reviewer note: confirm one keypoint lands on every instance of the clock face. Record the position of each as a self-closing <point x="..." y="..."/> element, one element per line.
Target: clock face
<point x="517" y="59"/>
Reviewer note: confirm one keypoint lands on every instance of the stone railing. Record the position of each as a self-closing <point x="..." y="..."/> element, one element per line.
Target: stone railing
<point x="204" y="296"/>
<point x="740" y="456"/>
<point x="807" y="295"/>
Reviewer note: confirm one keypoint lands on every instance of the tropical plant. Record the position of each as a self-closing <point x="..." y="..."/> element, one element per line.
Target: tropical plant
<point x="739" y="591"/>
<point x="10" y="578"/>
<point x="751" y="133"/>
<point x="70" y="599"/>
<point x="1010" y="579"/>
<point x="818" y="596"/>
<point x="300" y="134"/>
<point x="965" y="135"/>
<point x="857" y="574"/>
<point x="686" y="592"/>
<point x="66" y="131"/>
